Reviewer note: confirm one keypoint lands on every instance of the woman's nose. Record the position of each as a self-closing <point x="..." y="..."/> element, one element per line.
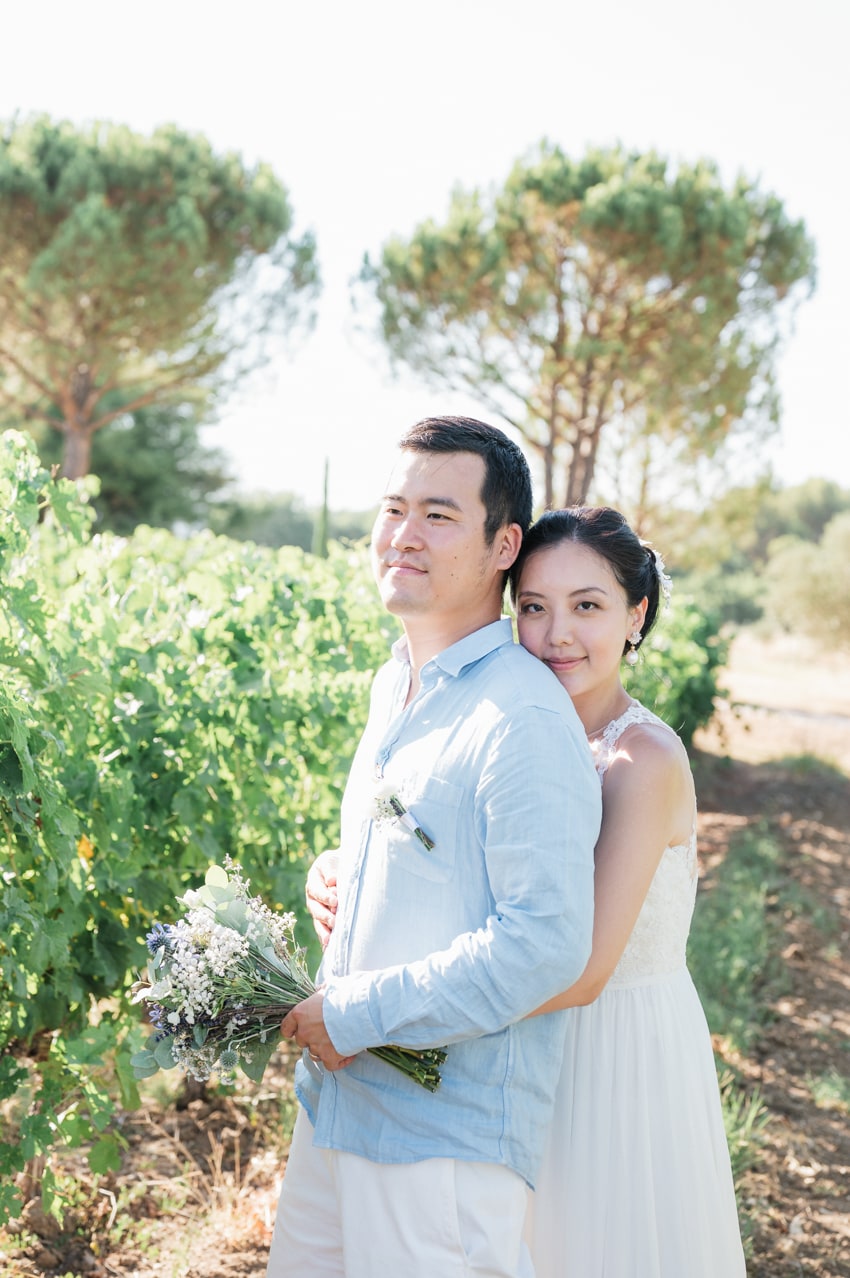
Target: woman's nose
<point x="562" y="631"/>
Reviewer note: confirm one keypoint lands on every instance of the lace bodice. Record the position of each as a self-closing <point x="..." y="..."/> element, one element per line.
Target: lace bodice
<point x="657" y="943"/>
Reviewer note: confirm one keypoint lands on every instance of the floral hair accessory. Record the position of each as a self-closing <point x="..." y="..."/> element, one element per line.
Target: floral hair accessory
<point x="387" y="806"/>
<point x="665" y="582"/>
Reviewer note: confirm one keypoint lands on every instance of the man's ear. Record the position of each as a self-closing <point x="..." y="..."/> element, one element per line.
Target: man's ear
<point x="508" y="540"/>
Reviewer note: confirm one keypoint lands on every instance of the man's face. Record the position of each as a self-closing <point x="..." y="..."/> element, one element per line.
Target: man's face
<point x="429" y="555"/>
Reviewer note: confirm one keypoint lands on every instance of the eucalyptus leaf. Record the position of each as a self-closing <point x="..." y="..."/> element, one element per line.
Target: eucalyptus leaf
<point x="143" y="1059"/>
<point x="261" y="1054"/>
<point x="164" y="1053"/>
<point x="234" y="914"/>
<point x="216" y="877"/>
<point x="144" y="1064"/>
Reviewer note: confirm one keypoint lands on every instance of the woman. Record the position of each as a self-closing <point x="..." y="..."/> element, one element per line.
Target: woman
<point x="636" y="1181"/>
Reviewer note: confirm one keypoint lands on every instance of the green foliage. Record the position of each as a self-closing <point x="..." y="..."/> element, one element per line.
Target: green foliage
<point x="164" y="702"/>
<point x="745" y="1117"/>
<point x="280" y="520"/>
<point x="734" y="598"/>
<point x="610" y="291"/>
<point x="803" y="511"/>
<point x="320" y="528"/>
<point x="677" y="672"/>
<point x="735" y="532"/>
<point x="133" y="267"/>
<point x="152" y="468"/>
<point x="808" y="584"/>
<point x="720" y="554"/>
<point x="283" y="520"/>
<point x="830" y="1090"/>
<point x="733" y="946"/>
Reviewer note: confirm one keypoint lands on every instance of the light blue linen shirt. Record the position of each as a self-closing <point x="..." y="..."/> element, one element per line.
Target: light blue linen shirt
<point x="456" y="944"/>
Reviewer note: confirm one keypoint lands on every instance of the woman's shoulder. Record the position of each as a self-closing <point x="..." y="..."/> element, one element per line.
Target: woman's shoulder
<point x="649" y="780"/>
<point x="654" y="751"/>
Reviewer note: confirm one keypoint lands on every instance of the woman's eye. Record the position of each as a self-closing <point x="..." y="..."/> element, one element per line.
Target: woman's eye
<point x="527" y="608"/>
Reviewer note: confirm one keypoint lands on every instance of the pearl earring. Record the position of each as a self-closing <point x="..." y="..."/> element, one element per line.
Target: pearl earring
<point x="632" y="654"/>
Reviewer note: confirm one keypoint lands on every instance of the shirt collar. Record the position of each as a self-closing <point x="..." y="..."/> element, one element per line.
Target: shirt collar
<point x="467" y="650"/>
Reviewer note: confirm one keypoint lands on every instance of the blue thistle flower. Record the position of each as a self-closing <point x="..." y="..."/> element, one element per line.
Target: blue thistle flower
<point x="229" y="1059"/>
<point x="159" y="935"/>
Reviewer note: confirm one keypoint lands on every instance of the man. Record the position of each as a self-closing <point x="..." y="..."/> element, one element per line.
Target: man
<point x="455" y="943"/>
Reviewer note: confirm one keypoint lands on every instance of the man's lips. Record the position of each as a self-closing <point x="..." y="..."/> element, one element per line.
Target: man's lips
<point x="404" y="568"/>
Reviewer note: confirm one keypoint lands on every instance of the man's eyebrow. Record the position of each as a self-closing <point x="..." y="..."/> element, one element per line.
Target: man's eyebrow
<point x="448" y="502"/>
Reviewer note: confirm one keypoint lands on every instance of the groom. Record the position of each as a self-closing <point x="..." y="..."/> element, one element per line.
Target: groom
<point x="456" y="943"/>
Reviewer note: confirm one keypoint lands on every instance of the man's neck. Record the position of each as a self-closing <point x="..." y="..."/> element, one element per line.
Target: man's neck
<point x="426" y="637"/>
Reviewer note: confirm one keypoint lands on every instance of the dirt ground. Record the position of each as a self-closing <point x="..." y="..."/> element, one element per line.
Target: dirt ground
<point x="788" y="701"/>
<point x="785" y="701"/>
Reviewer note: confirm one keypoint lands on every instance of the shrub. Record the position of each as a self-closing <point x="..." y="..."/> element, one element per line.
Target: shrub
<point x="165" y="702"/>
<point x="677" y="673"/>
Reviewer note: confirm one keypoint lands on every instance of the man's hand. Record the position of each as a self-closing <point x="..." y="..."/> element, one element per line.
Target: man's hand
<point x="306" y="1025"/>
<point x="322" y="894"/>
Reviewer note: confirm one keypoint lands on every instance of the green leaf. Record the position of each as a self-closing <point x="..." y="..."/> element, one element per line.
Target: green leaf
<point x="105" y="1155"/>
<point x="145" y="1071"/>
<point x="216" y="877"/>
<point x="261" y="1054"/>
<point x="164" y="1053"/>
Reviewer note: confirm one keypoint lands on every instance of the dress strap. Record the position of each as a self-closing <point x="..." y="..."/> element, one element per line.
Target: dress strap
<point x="605" y="747"/>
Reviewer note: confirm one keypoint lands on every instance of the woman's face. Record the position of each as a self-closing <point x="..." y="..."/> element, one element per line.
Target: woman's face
<point x="573" y="614"/>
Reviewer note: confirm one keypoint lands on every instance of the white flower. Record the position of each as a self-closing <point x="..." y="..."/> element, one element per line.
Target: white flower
<point x="388" y="807"/>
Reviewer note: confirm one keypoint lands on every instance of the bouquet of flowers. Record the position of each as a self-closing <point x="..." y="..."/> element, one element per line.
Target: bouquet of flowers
<point x="221" y="979"/>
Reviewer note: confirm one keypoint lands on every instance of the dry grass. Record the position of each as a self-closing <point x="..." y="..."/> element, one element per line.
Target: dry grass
<point x="786" y="698"/>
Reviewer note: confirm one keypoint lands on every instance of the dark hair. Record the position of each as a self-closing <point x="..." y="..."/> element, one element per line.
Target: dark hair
<point x="604" y="530"/>
<point x="506" y="491"/>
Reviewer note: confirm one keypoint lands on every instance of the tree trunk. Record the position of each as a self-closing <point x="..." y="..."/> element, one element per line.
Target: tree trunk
<point x="549" y="472"/>
<point x="76" y="458"/>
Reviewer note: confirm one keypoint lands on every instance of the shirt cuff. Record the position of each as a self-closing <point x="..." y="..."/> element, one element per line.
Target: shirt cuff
<point x="346" y="1014"/>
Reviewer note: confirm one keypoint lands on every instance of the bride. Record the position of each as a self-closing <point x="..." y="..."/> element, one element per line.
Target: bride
<point x="636" y="1180"/>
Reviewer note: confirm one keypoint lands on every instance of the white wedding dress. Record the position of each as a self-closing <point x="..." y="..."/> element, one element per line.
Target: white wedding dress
<point x="636" y="1180"/>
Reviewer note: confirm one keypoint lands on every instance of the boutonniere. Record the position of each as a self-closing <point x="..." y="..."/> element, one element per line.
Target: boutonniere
<point x="387" y="806"/>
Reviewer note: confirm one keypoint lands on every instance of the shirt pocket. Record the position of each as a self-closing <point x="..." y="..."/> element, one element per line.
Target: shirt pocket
<point x="435" y="808"/>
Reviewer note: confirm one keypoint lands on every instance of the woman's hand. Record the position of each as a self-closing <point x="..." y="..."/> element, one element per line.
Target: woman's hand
<point x="322" y="895"/>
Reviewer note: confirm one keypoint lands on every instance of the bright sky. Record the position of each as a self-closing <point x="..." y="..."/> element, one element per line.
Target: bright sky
<point x="371" y="112"/>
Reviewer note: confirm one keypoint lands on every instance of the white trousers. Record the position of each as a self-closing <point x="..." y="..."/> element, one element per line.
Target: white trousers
<point x="342" y="1216"/>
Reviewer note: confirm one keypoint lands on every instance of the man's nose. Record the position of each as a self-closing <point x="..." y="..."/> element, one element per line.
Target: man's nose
<point x="407" y="535"/>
